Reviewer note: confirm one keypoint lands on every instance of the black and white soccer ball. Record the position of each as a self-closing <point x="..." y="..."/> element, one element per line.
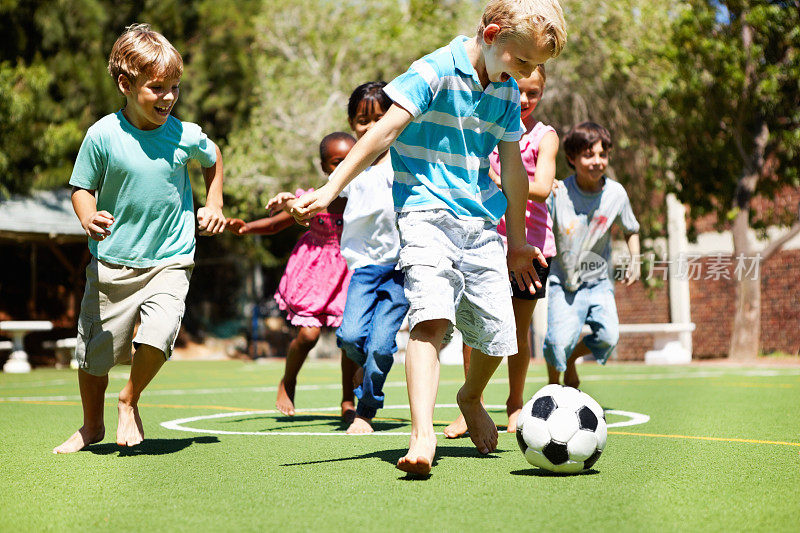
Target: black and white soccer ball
<point x="562" y="429"/>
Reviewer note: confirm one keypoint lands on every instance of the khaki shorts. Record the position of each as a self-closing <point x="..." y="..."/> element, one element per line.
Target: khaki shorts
<point x="456" y="270"/>
<point x="116" y="297"/>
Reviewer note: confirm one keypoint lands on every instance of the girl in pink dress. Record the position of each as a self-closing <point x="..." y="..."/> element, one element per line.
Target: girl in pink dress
<point x="313" y="288"/>
<point x="539" y="146"/>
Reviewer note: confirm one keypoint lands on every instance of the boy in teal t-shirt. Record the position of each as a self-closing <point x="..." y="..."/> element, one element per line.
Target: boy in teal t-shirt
<point x="132" y="194"/>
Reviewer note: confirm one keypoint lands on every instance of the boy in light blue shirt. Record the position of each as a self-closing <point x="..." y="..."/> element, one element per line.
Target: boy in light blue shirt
<point x="132" y="194"/>
<point x="450" y="110"/>
<point x="583" y="210"/>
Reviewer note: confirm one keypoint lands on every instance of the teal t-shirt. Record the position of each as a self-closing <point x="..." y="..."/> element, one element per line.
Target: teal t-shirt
<point x="142" y="180"/>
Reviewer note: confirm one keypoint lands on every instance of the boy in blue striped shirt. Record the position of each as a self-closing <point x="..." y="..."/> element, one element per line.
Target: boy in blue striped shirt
<point x="450" y="110"/>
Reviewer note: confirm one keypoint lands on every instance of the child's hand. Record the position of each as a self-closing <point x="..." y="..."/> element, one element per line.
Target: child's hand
<point x="97" y="225"/>
<point x="210" y="220"/>
<point x="312" y="203"/>
<point x="279" y="201"/>
<point x="520" y="266"/>
<point x="237" y="226"/>
<point x="557" y="185"/>
<point x="632" y="273"/>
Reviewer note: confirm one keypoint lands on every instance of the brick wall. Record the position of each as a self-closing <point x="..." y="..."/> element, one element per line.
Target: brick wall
<point x="637" y="304"/>
<point x="713" y="303"/>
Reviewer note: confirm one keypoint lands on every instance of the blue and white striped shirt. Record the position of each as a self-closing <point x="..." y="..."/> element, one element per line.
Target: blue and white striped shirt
<point x="441" y="159"/>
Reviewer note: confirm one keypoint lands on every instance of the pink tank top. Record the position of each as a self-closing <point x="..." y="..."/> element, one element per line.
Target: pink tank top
<point x="538" y="224"/>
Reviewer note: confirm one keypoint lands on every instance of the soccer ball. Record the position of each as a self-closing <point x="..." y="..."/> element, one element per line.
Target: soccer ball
<point x="562" y="429"/>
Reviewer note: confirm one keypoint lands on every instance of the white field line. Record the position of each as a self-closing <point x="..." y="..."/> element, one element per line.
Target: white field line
<point x="177" y="425"/>
<point x="499" y="381"/>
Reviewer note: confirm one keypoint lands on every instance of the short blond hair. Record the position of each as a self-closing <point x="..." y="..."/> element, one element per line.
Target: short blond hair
<point x="142" y="51"/>
<point x="542" y="20"/>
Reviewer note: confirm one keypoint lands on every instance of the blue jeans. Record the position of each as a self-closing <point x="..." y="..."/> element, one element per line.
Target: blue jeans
<point x="374" y="312"/>
<point x="567" y="312"/>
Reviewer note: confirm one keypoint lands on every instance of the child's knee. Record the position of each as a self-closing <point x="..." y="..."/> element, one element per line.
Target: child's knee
<point x="308" y="337"/>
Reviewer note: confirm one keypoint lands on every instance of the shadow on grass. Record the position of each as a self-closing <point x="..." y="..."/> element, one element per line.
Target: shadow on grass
<point x="330" y="423"/>
<point x="392" y="456"/>
<point x="149" y="446"/>
<point x="541" y="472"/>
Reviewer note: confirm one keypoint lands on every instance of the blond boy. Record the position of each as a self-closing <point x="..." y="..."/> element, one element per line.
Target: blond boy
<point x="132" y="195"/>
<point x="450" y="110"/>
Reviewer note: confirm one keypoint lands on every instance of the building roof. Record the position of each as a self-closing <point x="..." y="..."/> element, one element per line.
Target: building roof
<point x="42" y="215"/>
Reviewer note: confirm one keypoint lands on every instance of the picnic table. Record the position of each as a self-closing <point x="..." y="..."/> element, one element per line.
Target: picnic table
<point x="18" y="360"/>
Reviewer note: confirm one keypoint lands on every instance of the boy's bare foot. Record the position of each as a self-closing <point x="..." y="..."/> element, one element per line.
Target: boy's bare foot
<point x="457" y="428"/>
<point x="419" y="458"/>
<point x="130" y="431"/>
<point x="81" y="439"/>
<point x="481" y="427"/>
<point x="513" y="413"/>
<point x="285" y="400"/>
<point x="348" y="412"/>
<point x="360" y="426"/>
<point x="358" y="377"/>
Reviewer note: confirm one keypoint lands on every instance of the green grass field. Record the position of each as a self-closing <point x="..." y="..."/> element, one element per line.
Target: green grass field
<point x="720" y="451"/>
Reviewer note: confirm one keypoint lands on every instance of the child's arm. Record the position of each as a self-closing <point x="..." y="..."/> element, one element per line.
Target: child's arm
<point x="539" y="189"/>
<point x="210" y="220"/>
<point x="95" y="223"/>
<point x="515" y="186"/>
<point x="633" y="272"/>
<point x="376" y="141"/>
<point x="544" y="177"/>
<point x="262" y="226"/>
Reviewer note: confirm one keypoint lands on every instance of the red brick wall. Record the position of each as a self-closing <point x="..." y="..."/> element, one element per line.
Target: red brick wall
<point x="713" y="303"/>
<point x="637" y="304"/>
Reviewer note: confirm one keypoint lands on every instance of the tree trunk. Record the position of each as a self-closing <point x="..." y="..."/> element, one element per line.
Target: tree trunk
<point x="746" y="335"/>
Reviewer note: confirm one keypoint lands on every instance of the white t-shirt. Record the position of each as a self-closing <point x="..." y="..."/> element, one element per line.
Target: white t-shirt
<point x="370" y="236"/>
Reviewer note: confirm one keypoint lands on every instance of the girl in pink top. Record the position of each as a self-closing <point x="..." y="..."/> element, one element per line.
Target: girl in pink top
<point x="539" y="146"/>
<point x="313" y="288"/>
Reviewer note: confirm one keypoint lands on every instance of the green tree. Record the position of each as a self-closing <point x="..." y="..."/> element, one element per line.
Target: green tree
<point x="611" y="72"/>
<point x="309" y="56"/>
<point x="731" y="123"/>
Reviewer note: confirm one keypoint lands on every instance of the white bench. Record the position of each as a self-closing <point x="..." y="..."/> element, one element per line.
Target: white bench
<point x="668" y="347"/>
<point x="65" y="352"/>
<point x="18" y="360"/>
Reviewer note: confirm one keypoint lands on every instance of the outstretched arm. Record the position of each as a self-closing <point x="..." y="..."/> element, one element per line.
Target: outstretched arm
<point x="262" y="226"/>
<point x="210" y="220"/>
<point x="376" y="141"/>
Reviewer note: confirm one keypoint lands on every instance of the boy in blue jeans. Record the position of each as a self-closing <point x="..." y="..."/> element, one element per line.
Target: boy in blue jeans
<point x="450" y="110"/>
<point x="132" y="194"/>
<point x="583" y="208"/>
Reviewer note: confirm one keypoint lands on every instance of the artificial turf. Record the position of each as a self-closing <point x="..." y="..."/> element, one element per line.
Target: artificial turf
<point x="720" y="451"/>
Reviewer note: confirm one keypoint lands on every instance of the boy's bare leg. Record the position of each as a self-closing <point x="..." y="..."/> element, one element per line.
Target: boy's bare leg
<point x="553" y="375"/>
<point x="459" y="426"/>
<point x="571" y="374"/>
<point x="422" y="377"/>
<point x="349" y="369"/>
<point x="518" y="364"/>
<point x="306" y="339"/>
<point x="147" y="361"/>
<point x="481" y="427"/>
<point x="93" y="390"/>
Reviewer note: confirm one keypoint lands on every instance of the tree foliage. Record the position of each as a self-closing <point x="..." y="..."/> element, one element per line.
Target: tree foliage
<point x="731" y="107"/>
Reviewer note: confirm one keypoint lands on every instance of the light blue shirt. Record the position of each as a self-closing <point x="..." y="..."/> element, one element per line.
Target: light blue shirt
<point x="142" y="180"/>
<point x="582" y="228"/>
<point x="441" y="159"/>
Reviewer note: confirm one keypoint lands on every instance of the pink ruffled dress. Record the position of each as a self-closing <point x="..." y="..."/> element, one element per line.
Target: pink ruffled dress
<point x="313" y="288"/>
